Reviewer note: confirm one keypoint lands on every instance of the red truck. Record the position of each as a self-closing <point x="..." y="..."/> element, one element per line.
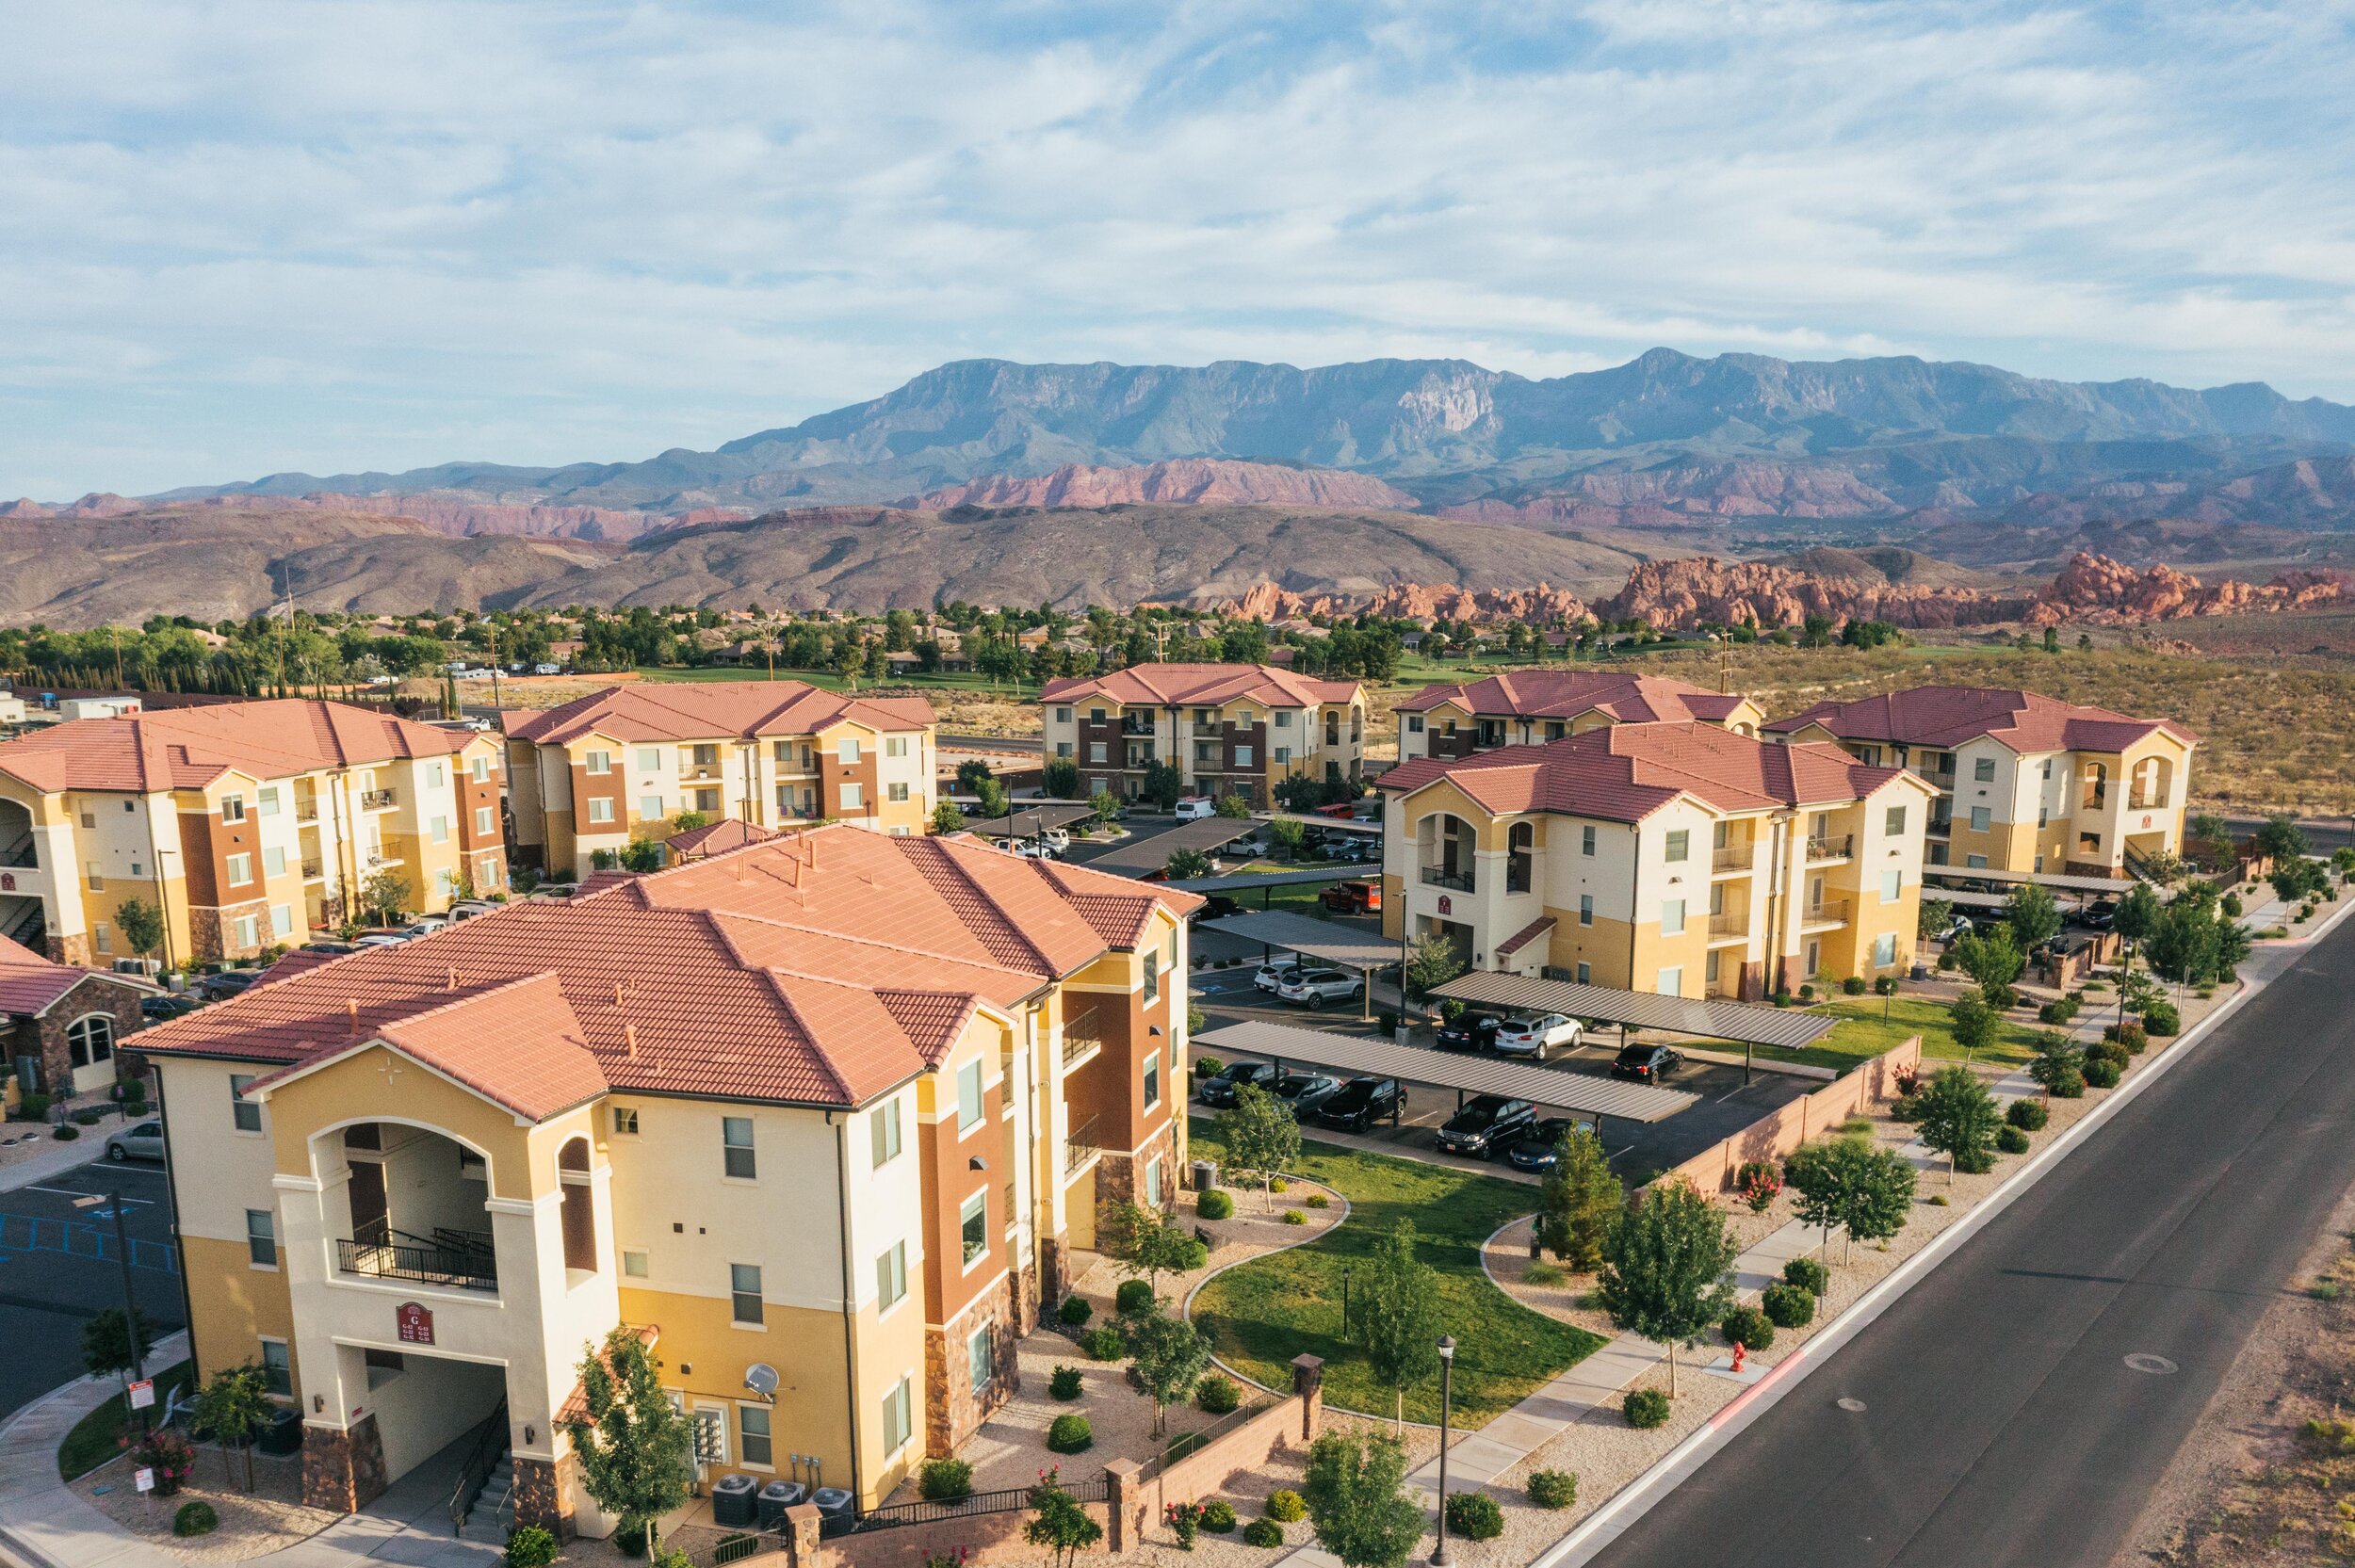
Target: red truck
<point x="1352" y="897"/>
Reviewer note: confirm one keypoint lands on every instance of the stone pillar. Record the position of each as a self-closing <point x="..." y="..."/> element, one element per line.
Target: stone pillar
<point x="343" y="1471"/>
<point x="1054" y="1273"/>
<point x="544" y="1496"/>
<point x="801" y="1535"/>
<point x="1308" y="1384"/>
<point x="1125" y="1508"/>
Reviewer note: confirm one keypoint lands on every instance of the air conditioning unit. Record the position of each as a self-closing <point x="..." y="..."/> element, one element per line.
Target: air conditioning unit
<point x="148" y="968"/>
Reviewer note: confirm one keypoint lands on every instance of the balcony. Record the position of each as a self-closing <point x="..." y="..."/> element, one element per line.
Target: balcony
<point x="2094" y="798"/>
<point x="1438" y="876"/>
<point x="1081" y="1149"/>
<point x="1828" y="848"/>
<point x="1738" y="858"/>
<point x="1136" y="726"/>
<point x="314" y="871"/>
<point x="2139" y="801"/>
<point x="378" y="799"/>
<point x="1940" y="827"/>
<point x="1731" y="926"/>
<point x="463" y="1267"/>
<point x="307" y="811"/>
<point x="1824" y="913"/>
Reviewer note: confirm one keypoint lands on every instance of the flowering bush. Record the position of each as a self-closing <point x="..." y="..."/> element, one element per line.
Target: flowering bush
<point x="168" y="1454"/>
<point x="1183" y="1520"/>
<point x="1757" y="1183"/>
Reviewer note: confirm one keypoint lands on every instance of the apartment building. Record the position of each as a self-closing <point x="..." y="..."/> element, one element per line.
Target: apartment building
<point x="2024" y="782"/>
<point x="826" y="1119"/>
<point x="1529" y="707"/>
<point x="1681" y="859"/>
<point x="248" y="824"/>
<point x="1232" y="729"/>
<point x="626" y="762"/>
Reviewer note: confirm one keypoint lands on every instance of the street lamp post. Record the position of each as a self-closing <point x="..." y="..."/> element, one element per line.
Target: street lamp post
<point x="1447" y="1370"/>
<point x="1344" y="1301"/>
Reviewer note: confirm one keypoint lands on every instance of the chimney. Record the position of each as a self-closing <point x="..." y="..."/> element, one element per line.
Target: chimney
<point x="453" y="979"/>
<point x="617" y="994"/>
<point x="351" y="1015"/>
<point x="629" y="1039"/>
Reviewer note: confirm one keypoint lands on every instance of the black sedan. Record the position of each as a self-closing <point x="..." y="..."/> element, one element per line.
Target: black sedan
<point x="163" y="1009"/>
<point x="1468" y="1033"/>
<point x="1541" y="1150"/>
<point x="1487" y="1124"/>
<point x="1646" y="1064"/>
<point x="1362" y="1102"/>
<point x="1219" y="1091"/>
<point x="1216" y="905"/>
<point x="228" y="983"/>
<point x="1305" y="1091"/>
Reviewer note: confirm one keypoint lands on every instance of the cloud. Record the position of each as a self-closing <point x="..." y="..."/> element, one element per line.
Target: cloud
<point x="243" y="241"/>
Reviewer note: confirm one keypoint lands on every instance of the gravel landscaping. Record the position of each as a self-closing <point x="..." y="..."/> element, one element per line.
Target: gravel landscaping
<point x="269" y="1518"/>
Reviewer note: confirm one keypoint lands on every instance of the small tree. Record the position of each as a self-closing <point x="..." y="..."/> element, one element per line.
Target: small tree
<point x="1059" y="1521"/>
<point x="1261" y="1134"/>
<point x="2138" y="914"/>
<point x="1853" y="1183"/>
<point x="2212" y="828"/>
<point x="1994" y="961"/>
<point x="1184" y="864"/>
<point x="1060" y="778"/>
<point x="991" y="799"/>
<point x="1958" y="1119"/>
<point x="1432" y="960"/>
<point x="1231" y="806"/>
<point x="384" y="893"/>
<point x="1936" y="914"/>
<point x="2282" y="839"/>
<point x="1974" y="1023"/>
<point x="1169" y="1357"/>
<point x="1287" y="838"/>
<point x="141" y="925"/>
<point x="235" y="1408"/>
<point x="1356" y="1489"/>
<point x="1665" y="1267"/>
<point x="2032" y="915"/>
<point x="687" y="821"/>
<point x="106" y="1347"/>
<point x="948" y="817"/>
<point x="1395" y="1314"/>
<point x="1163" y="784"/>
<point x="641" y="854"/>
<point x="637" y="1452"/>
<point x="1154" y="1246"/>
<point x="1578" y="1201"/>
<point x="1105" y="804"/>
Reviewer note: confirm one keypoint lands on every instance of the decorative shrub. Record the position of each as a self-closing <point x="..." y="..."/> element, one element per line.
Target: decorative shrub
<point x="1294" y="1217"/>
<point x="65" y="1132"/>
<point x="1063" y="1382"/>
<point x="532" y="1546"/>
<point x="1645" y="1408"/>
<point x="1783" y="998"/>
<point x="2061" y="1011"/>
<point x="2109" y="1051"/>
<point x="2011" y="1141"/>
<point x="1554" y="1489"/>
<point x="1388" y="1022"/>
<point x="945" y="1481"/>
<point x="630" y="1541"/>
<point x="1543" y="1273"/>
<point x="1807" y="1273"/>
<point x="87" y="1118"/>
<point x="1216" y="1395"/>
<point x="2135" y="1037"/>
<point x="1287" y="1507"/>
<point x="1218" y="1516"/>
<point x="2027" y="1115"/>
<point x="1746" y="1326"/>
<point x="1853" y="985"/>
<point x="199" y="1519"/>
<point x="1317" y="1200"/>
<point x="1134" y="1297"/>
<point x="1277" y="1183"/>
<point x="1757" y="1182"/>
<point x="1208" y="1067"/>
<point x="2100" y="1072"/>
<point x="1104" y="1342"/>
<point x="2231" y="905"/>
<point x="1263" y="1532"/>
<point x="1183" y="1520"/>
<point x="1214" y="1205"/>
<point x="1074" y="1310"/>
<point x="171" y="1456"/>
<point x="1070" y="1434"/>
<point x="1908" y="1081"/>
<point x="1788" y="1306"/>
<point x="1806" y="994"/>
<point x="1474" y="1516"/>
<point x="33" y="1108"/>
<point x="2160" y="1018"/>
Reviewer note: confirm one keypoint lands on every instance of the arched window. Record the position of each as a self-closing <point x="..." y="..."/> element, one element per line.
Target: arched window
<point x="92" y="1040"/>
<point x="578" y="1214"/>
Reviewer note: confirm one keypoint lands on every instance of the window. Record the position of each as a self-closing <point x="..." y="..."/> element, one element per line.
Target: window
<point x="479" y="769"/>
<point x="1983" y="770"/>
<point x="1585" y="909"/>
<point x="1063" y="747"/>
<point x="240" y="870"/>
<point x="244" y="1114"/>
<point x="898" y="1418"/>
<point x="973" y="1226"/>
<point x="1586" y="840"/>
<point x="261" y="1238"/>
<point x="891" y="1276"/>
<point x="736" y="1145"/>
<point x="1975" y="863"/>
<point x="267" y="803"/>
<point x="1283" y="721"/>
<point x="895" y="746"/>
<point x="882" y="1132"/>
<point x="597" y="762"/>
<point x="1414" y="724"/>
<point x="1709" y="967"/>
<point x="232" y="808"/>
<point x="1892" y="886"/>
<point x="1672" y="982"/>
<point x="745" y="1293"/>
<point x="969" y="1097"/>
<point x="97" y="877"/>
<point x="1152" y="978"/>
<point x="649" y="759"/>
<point x="980" y="1355"/>
<point x="854" y="796"/>
<point x="1153" y="1182"/>
<point x="601" y="809"/>
<point x="1672" y="917"/>
<point x="1152" y="1081"/>
<point x="1063" y="714"/>
<point x="895" y="792"/>
<point x="1585" y="973"/>
<point x="650" y="808"/>
<point x="752" y="1423"/>
<point x="282" y="920"/>
<point x="1815" y="958"/>
<point x="1884" y="949"/>
<point x="439" y="828"/>
<point x="485" y="819"/>
<point x="635" y="1264"/>
<point x="248" y="931"/>
<point x="92" y="1040"/>
<point x="273" y="862"/>
<point x="102" y="936"/>
<point x="1096" y="716"/>
<point x="848" y="751"/>
<point x="277" y="1369"/>
<point x="1283" y="754"/>
<point x="1680" y="844"/>
<point x="1893" y="822"/>
<point x="1980" y="819"/>
<point x="1243" y="756"/>
<point x="626" y="1121"/>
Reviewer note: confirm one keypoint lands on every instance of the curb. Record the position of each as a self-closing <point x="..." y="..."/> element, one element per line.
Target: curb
<point x="1595" y="1532"/>
<point x="1186" y="1307"/>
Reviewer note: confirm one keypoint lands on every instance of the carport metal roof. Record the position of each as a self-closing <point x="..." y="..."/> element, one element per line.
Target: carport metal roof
<point x="2043" y="879"/>
<point x="1144" y="856"/>
<point x="1588" y="1092"/>
<point x="1318" y="819"/>
<point x="1244" y="882"/>
<point x="1346" y="946"/>
<point x="1703" y="1017"/>
<point x="1029" y="820"/>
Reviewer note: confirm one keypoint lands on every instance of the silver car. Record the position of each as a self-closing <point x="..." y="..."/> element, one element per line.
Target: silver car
<point x="1314" y="987"/>
<point x="140" y="1141"/>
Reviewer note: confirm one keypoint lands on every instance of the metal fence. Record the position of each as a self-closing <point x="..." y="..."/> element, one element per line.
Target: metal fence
<point x="1185" y="1445"/>
<point x="892" y="1516"/>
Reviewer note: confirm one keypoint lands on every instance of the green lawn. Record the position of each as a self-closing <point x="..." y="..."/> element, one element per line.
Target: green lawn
<point x="1863" y="1032"/>
<point x="965" y="680"/>
<point x="1275" y="1307"/>
<point x="96" y="1437"/>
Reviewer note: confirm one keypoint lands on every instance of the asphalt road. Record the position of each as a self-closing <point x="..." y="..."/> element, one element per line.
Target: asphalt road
<point x="58" y="1267"/>
<point x="2000" y="1423"/>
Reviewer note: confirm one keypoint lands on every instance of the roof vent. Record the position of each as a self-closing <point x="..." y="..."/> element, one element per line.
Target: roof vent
<point x="630" y="1038"/>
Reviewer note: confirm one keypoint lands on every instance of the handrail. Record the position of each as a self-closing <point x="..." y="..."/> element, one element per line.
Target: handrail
<point x="463" y="1270"/>
<point x="481" y="1459"/>
<point x="1434" y="875"/>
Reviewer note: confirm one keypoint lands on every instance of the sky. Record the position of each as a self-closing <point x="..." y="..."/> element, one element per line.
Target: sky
<point x="240" y="237"/>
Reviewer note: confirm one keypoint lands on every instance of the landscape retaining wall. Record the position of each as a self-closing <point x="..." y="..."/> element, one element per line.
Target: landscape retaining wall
<point x="1873" y="1082"/>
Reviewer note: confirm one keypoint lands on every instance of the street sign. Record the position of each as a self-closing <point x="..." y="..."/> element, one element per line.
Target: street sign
<point x="143" y="1393"/>
<point x="146" y="1477"/>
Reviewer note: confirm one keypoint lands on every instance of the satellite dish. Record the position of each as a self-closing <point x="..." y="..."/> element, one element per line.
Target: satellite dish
<point x="761" y="1379"/>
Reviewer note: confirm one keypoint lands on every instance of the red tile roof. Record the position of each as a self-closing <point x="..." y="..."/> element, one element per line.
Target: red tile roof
<point x="30" y="984"/>
<point x="188" y="748"/>
<point x="823" y="968"/>
<point x="1568" y="694"/>
<point x="1950" y="715"/>
<point x="1526" y="935"/>
<point x="698" y="710"/>
<point x="718" y="838"/>
<point x="1627" y="771"/>
<point x="1162" y="684"/>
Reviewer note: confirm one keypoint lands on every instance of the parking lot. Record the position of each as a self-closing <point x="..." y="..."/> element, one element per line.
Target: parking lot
<point x="60" y="1268"/>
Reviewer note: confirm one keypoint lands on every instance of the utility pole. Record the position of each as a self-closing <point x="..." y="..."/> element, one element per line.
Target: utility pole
<point x="130" y="1308"/>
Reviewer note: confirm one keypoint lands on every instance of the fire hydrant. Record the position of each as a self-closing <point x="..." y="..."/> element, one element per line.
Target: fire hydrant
<point x="1739" y="1352"/>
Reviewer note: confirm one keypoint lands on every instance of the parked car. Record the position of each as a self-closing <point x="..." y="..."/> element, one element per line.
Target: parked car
<point x="228" y="983"/>
<point x="381" y="939"/>
<point x="1029" y="849"/>
<point x="1305" y="1091"/>
<point x="1214" y="906"/>
<point x="1648" y="1063"/>
<point x="1351" y="898"/>
<point x="1468" y="1032"/>
<point x="1195" y="807"/>
<point x="1956" y="927"/>
<point x="1275" y="976"/>
<point x="330" y="949"/>
<point x="1540" y="1151"/>
<point x="426" y="926"/>
<point x="1317" y="988"/>
<point x="1219" y="1090"/>
<point x="1487" y="1126"/>
<point x="547" y="670"/>
<point x="2100" y="916"/>
<point x="467" y="909"/>
<point x="1362" y="1102"/>
<point x="163" y="1009"/>
<point x="1343" y="809"/>
<point x="141" y="1140"/>
<point x="1530" y="1036"/>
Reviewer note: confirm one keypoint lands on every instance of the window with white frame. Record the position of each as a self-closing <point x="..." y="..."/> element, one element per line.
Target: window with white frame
<point x="973" y="1227"/>
<point x="1680" y="844"/>
<point x="1893" y="822"/>
<point x="1892" y="886"/>
<point x="626" y="1121"/>
<point x="479" y="769"/>
<point x="90" y="1040"/>
<point x="635" y="1263"/>
<point x="898" y="1416"/>
<point x="1243" y="756"/>
<point x="882" y="1132"/>
<point x="1884" y="949"/>
<point x="273" y="861"/>
<point x="1585" y="909"/>
<point x="1413" y="723"/>
<point x="1980" y="817"/>
<point x="752" y="1423"/>
<point x="1586" y="973"/>
<point x="848" y="749"/>
<point x="261" y="1238"/>
<point x="854" y="796"/>
<point x="1586" y="839"/>
<point x="244" y="1114"/>
<point x="246" y="930"/>
<point x="1672" y="981"/>
<point x="1152" y="1081"/>
<point x="980" y="1355"/>
<point x="895" y="792"/>
<point x="240" y="870"/>
<point x="282" y="920"/>
<point x="597" y="762"/>
<point x="232" y="808"/>
<point x="1153" y="1182"/>
<point x="438" y="829"/>
<point x="649" y="759"/>
<point x="1983" y="770"/>
<point x="650" y="808"/>
<point x="892" y="1275"/>
<point x="744" y="1304"/>
<point x="1672" y="917"/>
<point x="895" y="746"/>
<point x="485" y="819"/>
<point x="601" y="808"/>
<point x="277" y="1369"/>
<point x="969" y="1097"/>
<point x="266" y="803"/>
<point x="737" y="1155"/>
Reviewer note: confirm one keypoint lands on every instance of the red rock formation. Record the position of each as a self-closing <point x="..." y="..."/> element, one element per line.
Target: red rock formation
<point x="1691" y="492"/>
<point x="1406" y="601"/>
<point x="1201" y="481"/>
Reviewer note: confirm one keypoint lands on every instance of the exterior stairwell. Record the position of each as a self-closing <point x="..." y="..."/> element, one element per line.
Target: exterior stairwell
<point x="21" y="922"/>
<point x="481" y="1506"/>
<point x="492" y="1515"/>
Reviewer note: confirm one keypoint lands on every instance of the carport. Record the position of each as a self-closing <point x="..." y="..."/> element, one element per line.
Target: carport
<point x="1266" y="881"/>
<point x="1581" y="1093"/>
<point x="1338" y="946"/>
<point x="1702" y="1017"/>
<point x="2083" y="887"/>
<point x="1030" y="822"/>
<point x="1144" y="856"/>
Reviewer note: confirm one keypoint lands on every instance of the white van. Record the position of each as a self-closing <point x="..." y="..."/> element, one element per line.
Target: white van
<point x="1195" y="807"/>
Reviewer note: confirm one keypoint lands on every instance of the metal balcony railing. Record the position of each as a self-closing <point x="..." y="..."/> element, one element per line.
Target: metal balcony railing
<point x="1735" y="859"/>
<point x="1434" y="876"/>
<point x="1826" y="911"/>
<point x="1734" y="923"/>
<point x="461" y="1270"/>
<point x="307" y="811"/>
<point x="378" y="800"/>
<point x="1829" y="847"/>
<point x="314" y="870"/>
